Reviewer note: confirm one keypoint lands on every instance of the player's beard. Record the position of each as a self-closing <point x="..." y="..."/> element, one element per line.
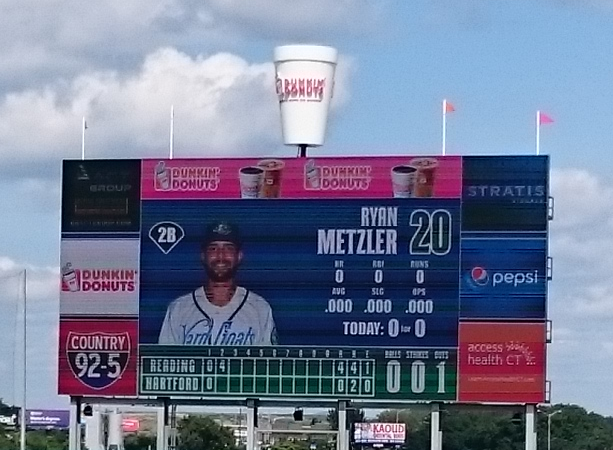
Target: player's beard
<point x="221" y="275"/>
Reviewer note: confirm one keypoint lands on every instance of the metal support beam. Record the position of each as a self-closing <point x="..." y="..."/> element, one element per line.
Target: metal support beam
<point x="530" y="427"/>
<point x="93" y="430"/>
<point x="252" y="412"/>
<point x="74" y="430"/>
<point x="342" y="441"/>
<point x="436" y="435"/>
<point x="160" y="442"/>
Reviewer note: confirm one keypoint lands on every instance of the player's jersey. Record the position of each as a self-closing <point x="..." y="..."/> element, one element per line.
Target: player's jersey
<point x="192" y="320"/>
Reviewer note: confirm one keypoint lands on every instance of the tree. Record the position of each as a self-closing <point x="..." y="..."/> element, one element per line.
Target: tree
<point x="203" y="433"/>
<point x="139" y="441"/>
<point x="290" y="444"/>
<point x="353" y="416"/>
<point x="575" y="428"/>
<point x="413" y="419"/>
<point x="7" y="410"/>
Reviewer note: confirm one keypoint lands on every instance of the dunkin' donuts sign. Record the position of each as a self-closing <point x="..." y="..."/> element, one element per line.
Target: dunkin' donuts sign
<point x="98" y="280"/>
<point x="300" y="89"/>
<point x="185" y="178"/>
<point x="336" y="177"/>
<point x="99" y="276"/>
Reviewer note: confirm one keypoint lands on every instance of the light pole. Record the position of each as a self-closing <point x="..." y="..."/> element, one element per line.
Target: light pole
<point x="549" y="416"/>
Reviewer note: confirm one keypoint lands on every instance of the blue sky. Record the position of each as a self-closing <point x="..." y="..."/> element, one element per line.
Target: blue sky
<point x="122" y="64"/>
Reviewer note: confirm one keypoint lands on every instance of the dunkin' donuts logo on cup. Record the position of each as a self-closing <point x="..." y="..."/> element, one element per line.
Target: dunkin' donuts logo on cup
<point x="336" y="178"/>
<point x="272" y="176"/>
<point x="251" y="180"/>
<point x="185" y="179"/>
<point x="300" y="89"/>
<point x="403" y="181"/>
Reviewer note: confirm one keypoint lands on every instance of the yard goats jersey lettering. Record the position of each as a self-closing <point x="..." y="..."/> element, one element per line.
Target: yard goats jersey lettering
<point x="193" y="320"/>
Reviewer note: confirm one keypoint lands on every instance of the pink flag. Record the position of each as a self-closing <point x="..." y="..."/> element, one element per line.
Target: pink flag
<point x="544" y="118"/>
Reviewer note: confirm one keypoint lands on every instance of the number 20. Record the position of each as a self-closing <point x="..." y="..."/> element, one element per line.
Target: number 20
<point x="433" y="233"/>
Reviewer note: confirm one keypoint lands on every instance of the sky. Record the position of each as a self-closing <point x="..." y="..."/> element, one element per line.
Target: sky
<point x="123" y="64"/>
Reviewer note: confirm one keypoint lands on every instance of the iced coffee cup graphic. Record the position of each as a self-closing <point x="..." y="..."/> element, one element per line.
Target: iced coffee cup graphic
<point x="251" y="179"/>
<point x="426" y="176"/>
<point x="403" y="181"/>
<point x="162" y="177"/>
<point x="69" y="278"/>
<point x="273" y="172"/>
<point x="311" y="175"/>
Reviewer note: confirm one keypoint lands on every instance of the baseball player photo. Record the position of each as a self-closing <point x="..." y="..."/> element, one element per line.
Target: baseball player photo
<point x="220" y="312"/>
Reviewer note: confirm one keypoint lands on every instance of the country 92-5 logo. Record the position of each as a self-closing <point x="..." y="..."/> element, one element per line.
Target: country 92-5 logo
<point x="480" y="277"/>
<point x="98" y="359"/>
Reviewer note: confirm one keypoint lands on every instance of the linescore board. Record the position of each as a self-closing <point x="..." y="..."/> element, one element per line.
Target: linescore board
<point x="396" y="278"/>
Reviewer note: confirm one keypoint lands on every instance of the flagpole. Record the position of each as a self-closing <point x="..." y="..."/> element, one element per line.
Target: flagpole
<point x="444" y="125"/>
<point x="172" y="131"/>
<point x="83" y="128"/>
<point x="24" y="396"/>
<point x="538" y="132"/>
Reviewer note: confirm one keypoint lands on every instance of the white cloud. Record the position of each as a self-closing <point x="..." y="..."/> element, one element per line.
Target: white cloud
<point x="582" y="243"/>
<point x="223" y="106"/>
<point x="43" y="41"/>
<point x="581" y="293"/>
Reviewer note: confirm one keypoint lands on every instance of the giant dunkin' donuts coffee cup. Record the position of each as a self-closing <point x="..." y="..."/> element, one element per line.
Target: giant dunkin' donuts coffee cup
<point x="273" y="171"/>
<point x="304" y="82"/>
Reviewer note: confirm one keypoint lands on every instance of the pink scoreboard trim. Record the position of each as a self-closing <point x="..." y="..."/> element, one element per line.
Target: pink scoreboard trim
<point x="294" y="178"/>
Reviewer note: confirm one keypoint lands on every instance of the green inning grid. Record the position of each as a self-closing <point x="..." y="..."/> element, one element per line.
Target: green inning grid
<point x="419" y="374"/>
<point x="266" y="376"/>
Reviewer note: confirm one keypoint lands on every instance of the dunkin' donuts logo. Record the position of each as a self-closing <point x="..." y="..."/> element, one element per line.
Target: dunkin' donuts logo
<point x="336" y="178"/>
<point x="98" y="280"/>
<point x="300" y="89"/>
<point x="185" y="179"/>
<point x="98" y="359"/>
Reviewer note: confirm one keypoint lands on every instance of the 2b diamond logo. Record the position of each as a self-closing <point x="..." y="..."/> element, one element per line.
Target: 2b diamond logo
<point x="98" y="359"/>
<point x="166" y="235"/>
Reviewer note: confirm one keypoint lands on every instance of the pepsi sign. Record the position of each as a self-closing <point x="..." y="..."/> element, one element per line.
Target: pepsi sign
<point x="503" y="278"/>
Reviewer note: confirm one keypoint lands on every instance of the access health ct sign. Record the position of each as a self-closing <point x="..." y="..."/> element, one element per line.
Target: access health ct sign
<point x="383" y="278"/>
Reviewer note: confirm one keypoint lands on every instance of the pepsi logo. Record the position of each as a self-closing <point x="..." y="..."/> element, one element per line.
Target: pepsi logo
<point x="479" y="276"/>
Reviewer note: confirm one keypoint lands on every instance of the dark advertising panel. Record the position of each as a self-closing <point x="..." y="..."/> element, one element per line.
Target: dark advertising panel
<point x="101" y="196"/>
<point x="505" y="194"/>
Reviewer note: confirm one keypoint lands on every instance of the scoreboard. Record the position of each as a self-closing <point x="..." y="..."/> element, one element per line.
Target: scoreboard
<point x="319" y="372"/>
<point x="395" y="278"/>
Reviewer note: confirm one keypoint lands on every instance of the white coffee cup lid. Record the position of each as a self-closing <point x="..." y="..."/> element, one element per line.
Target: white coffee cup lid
<point x="306" y="53"/>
